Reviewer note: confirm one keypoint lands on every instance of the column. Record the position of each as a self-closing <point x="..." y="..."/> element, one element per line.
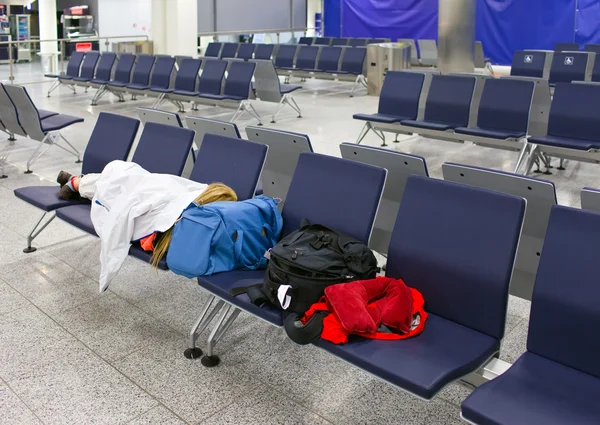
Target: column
<point x="175" y="27"/>
<point x="48" y="31"/>
<point x="456" y="35"/>
<point x="159" y="26"/>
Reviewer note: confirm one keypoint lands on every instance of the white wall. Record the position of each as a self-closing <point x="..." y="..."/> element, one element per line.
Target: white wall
<point x="124" y="18"/>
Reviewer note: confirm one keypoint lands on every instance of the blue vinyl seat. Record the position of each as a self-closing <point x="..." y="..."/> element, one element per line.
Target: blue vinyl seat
<point x="140" y="75"/>
<point x="342" y="41"/>
<point x="596" y="69"/>
<point x="284" y="59"/>
<point x="557" y="381"/>
<point x="566" y="47"/>
<point x="229" y="50"/>
<point x="448" y="103"/>
<point x="103" y="70"/>
<point x="161" y="149"/>
<point x="211" y="78"/>
<point x="307" y="58"/>
<point x="88" y="67"/>
<point x="160" y="77"/>
<point x="263" y="51"/>
<point x="442" y="246"/>
<point x="122" y="71"/>
<point x="307" y="41"/>
<point x="246" y="51"/>
<point x="503" y="110"/>
<point x="567" y="67"/>
<point x="237" y="84"/>
<point x="528" y="63"/>
<point x="186" y="79"/>
<point x="323" y="41"/>
<point x="399" y="98"/>
<point x="72" y="67"/>
<point x="329" y="60"/>
<point x="358" y="42"/>
<point x="573" y="121"/>
<point x="353" y="61"/>
<point x="213" y="50"/>
<point x="376" y="40"/>
<point x="592" y="48"/>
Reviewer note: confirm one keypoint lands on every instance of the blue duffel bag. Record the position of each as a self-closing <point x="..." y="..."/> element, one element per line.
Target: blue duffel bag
<point x="224" y="236"/>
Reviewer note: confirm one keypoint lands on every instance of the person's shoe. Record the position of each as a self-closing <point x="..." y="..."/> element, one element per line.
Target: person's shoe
<point x="63" y="178"/>
<point x="66" y="194"/>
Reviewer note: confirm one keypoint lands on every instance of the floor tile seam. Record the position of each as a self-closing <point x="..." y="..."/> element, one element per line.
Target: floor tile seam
<point x="152" y="408"/>
<point x="21" y="400"/>
<point x="514" y="328"/>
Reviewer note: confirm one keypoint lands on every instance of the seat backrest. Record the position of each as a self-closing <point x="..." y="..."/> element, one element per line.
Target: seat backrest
<point x="124" y="67"/>
<point x="596" y="71"/>
<point x="528" y="63"/>
<point x="574" y="112"/>
<point x="28" y="114"/>
<point x="239" y="79"/>
<point x="163" y="148"/>
<point x="478" y="55"/>
<point x="266" y="81"/>
<point x="229" y="50"/>
<point x="428" y="52"/>
<point x="376" y="40"/>
<point x="337" y="193"/>
<point x="213" y="50"/>
<point x="157" y="116"/>
<point x="105" y="66"/>
<point x="202" y="126"/>
<point x="449" y="99"/>
<point x="567" y="67"/>
<point x="342" y="41"/>
<point x="590" y="199"/>
<point x="89" y="65"/>
<point x="284" y="150"/>
<point x="414" y="52"/>
<point x="400" y="94"/>
<point x="307" y="41"/>
<point x="74" y="64"/>
<point x="232" y="161"/>
<point x="353" y="60"/>
<point x="161" y="74"/>
<point x="566" y="47"/>
<point x="143" y="69"/>
<point x="263" y="51"/>
<point x="307" y="57"/>
<point x="456" y="244"/>
<point x="285" y="55"/>
<point x="111" y="140"/>
<point x="323" y="41"/>
<point x="329" y="59"/>
<point x="8" y="114"/>
<point x="593" y="48"/>
<point x="399" y="166"/>
<point x="187" y="76"/>
<point x="358" y="42"/>
<point x="564" y="321"/>
<point x="246" y="50"/>
<point x="211" y="78"/>
<point x="505" y="104"/>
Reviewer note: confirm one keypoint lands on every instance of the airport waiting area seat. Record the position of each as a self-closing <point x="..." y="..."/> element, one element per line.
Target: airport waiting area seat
<point x="352" y="66"/>
<point x="160" y="78"/>
<point x="398" y="101"/>
<point x="264" y="51"/>
<point x="161" y="149"/>
<point x="157" y="116"/>
<point x="590" y="199"/>
<point x="566" y="47"/>
<point x="210" y="82"/>
<point x="246" y="51"/>
<point x="358" y="42"/>
<point x="428" y="52"/>
<point x="286" y="54"/>
<point x="72" y="71"/>
<point x="185" y="81"/>
<point x="307" y="41"/>
<point x="323" y="41"/>
<point x="111" y="139"/>
<point x="557" y="380"/>
<point x="340" y="41"/>
<point x="573" y="125"/>
<point x="140" y="77"/>
<point x="531" y="63"/>
<point x="229" y="50"/>
<point x="213" y="50"/>
<point x="268" y="88"/>
<point x="88" y="68"/>
<point x="593" y="48"/>
<point x="317" y="193"/>
<point x="571" y="66"/>
<point x="103" y="71"/>
<point x="442" y="247"/>
<point x="122" y="75"/>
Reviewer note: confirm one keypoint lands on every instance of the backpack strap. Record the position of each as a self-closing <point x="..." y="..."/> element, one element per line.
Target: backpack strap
<point x="255" y="293"/>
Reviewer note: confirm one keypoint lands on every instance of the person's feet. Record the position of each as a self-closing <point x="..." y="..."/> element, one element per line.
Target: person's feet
<point x="67" y="194"/>
<point x="63" y="178"/>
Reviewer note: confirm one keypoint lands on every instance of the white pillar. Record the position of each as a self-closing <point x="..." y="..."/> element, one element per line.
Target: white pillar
<point x="175" y="27"/>
<point x="159" y="26"/>
<point x="48" y="29"/>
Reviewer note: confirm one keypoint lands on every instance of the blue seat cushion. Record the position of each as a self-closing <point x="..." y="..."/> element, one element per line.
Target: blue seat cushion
<point x="117" y="84"/>
<point x="186" y="93"/>
<point x="344" y="72"/>
<point x="536" y="390"/>
<point x="562" y="142"/>
<point x="423" y="365"/>
<point x="287" y="68"/>
<point x="138" y="86"/>
<point x="51" y="75"/>
<point x="379" y="118"/>
<point x="82" y="79"/>
<point x="492" y="134"/>
<point x="64" y="77"/>
<point x="78" y="216"/>
<point x="287" y="88"/>
<point x="219" y="284"/>
<point x="102" y="82"/>
<point x="160" y="90"/>
<point x="46" y="114"/>
<point x="45" y="197"/>
<point x="220" y="96"/>
<point x="428" y="125"/>
<point x="58" y="122"/>
<point x="137" y="252"/>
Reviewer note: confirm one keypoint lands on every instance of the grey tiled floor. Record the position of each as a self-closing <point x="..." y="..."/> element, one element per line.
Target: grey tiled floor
<point x="69" y="355"/>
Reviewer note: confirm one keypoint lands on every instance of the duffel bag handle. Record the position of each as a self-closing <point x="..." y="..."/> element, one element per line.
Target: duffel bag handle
<point x="304" y="333"/>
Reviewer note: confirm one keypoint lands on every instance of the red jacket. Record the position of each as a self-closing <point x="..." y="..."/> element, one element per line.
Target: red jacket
<point x="361" y="307"/>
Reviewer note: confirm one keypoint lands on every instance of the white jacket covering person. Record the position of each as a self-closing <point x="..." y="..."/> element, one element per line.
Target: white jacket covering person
<point x="128" y="204"/>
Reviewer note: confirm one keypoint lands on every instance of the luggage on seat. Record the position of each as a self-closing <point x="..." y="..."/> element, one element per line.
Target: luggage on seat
<point x="307" y="261"/>
<point x="224" y="236"/>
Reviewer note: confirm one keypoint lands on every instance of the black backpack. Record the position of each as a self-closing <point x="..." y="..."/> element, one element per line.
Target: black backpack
<point x="305" y="262"/>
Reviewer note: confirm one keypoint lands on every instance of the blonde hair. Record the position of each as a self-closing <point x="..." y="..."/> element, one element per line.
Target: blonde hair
<point x="214" y="193"/>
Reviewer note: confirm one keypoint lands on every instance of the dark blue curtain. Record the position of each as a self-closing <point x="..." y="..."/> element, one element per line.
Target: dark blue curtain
<point x="502" y="25"/>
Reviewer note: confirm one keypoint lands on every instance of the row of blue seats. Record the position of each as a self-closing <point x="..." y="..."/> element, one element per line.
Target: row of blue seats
<point x="341" y="41"/>
<point x="574" y="47"/>
<point x="244" y="51"/>
<point x="466" y="313"/>
<point x="556" y="67"/>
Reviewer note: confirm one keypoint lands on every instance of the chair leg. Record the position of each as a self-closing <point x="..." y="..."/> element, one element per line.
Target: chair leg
<point x="38" y="152"/>
<point x="294" y="105"/>
<point x="561" y="166"/>
<point x="246" y="106"/>
<point x="381" y="135"/>
<point x="521" y="157"/>
<point x="354" y="86"/>
<point x="531" y="160"/>
<point x="280" y="106"/>
<point x="37" y="229"/>
<point x="365" y="130"/>
<point x="54" y="86"/>
<point x="217" y="333"/>
<point x="201" y="323"/>
<point x="74" y="151"/>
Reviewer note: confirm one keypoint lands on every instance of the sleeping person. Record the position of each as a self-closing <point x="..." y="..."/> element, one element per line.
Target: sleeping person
<point x="132" y="204"/>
